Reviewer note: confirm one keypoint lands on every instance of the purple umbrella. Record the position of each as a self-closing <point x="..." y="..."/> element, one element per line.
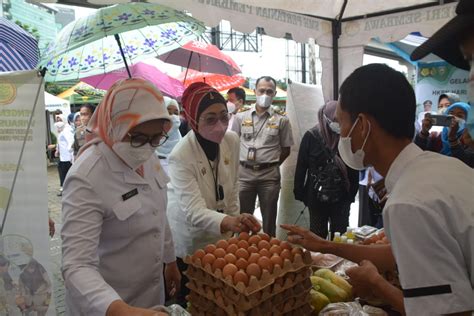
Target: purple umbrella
<point x="168" y="86"/>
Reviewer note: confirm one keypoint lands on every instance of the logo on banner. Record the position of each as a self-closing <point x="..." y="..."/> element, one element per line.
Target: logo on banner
<point x="7" y="92"/>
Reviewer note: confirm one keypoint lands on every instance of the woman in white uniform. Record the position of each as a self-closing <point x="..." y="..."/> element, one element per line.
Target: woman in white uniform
<point x="204" y="176"/>
<point x="115" y="233"/>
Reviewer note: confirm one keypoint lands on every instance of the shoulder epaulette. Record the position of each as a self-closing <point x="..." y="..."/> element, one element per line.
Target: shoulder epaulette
<point x="244" y="109"/>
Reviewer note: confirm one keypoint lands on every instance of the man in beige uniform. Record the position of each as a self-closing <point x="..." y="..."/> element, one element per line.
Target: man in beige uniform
<point x="265" y="140"/>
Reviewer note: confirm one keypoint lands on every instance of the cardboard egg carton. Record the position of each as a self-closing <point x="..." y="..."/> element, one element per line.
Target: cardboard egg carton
<point x="290" y="279"/>
<point x="219" y="297"/>
<point x="300" y="261"/>
<point x="200" y="305"/>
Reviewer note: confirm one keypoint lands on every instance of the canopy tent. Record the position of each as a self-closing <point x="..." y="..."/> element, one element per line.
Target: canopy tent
<point x="53" y="103"/>
<point x="340" y="27"/>
<point x="82" y="93"/>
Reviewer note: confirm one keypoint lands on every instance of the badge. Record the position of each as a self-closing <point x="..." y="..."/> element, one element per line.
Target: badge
<point x="203" y="171"/>
<point x="247" y="123"/>
<point x="251" y="154"/>
<point x="247" y="136"/>
<point x="272" y="119"/>
<point x="226" y="160"/>
<point x="272" y="125"/>
<point x="130" y="194"/>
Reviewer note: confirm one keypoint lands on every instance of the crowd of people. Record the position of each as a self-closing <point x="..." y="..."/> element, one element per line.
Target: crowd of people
<point x="149" y="181"/>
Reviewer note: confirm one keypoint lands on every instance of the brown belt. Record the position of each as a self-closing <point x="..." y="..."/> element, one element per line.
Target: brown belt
<point x="259" y="166"/>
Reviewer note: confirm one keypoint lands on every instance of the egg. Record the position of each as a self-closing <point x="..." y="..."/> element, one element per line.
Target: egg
<point x="232" y="248"/>
<point x="241" y="276"/>
<point x="219" y="264"/>
<point x="254" y="239"/>
<point x="222" y="244"/>
<point x="243" y="244"/>
<point x="264" y="236"/>
<point x="244" y="236"/>
<point x="265" y="253"/>
<point x="286" y="254"/>
<point x="276" y="260"/>
<point x="254" y="269"/>
<point x="263" y="244"/>
<point x="253" y="258"/>
<point x="241" y="263"/>
<point x="296" y="250"/>
<point x="275" y="249"/>
<point x="265" y="263"/>
<point x="274" y="241"/>
<point x="219" y="253"/>
<point x="210" y="248"/>
<point x="209" y="258"/>
<point x="233" y="240"/>
<point x="230" y="258"/>
<point x="285" y="245"/>
<point x="199" y="254"/>
<point x="229" y="270"/>
<point x="242" y="253"/>
<point x="252" y="249"/>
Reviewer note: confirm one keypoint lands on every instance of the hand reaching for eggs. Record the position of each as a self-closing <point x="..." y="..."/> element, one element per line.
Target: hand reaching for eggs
<point x="305" y="238"/>
<point x="241" y="223"/>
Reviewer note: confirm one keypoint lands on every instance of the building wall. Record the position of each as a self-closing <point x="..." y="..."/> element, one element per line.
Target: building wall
<point x="35" y="15"/>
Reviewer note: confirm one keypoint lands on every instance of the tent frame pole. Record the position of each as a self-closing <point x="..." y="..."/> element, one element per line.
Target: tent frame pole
<point x="336" y="33"/>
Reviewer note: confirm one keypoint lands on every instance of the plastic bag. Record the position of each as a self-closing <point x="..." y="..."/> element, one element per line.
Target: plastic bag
<point x="351" y="309"/>
<point x="172" y="310"/>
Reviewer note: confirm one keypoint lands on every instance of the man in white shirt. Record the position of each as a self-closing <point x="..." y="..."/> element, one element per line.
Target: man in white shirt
<point x="235" y="102"/>
<point x="429" y="214"/>
<point x="65" y="143"/>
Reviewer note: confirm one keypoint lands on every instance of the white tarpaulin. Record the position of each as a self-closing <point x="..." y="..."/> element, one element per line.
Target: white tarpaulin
<point x="53" y="103"/>
<point x="302" y="106"/>
<point x="24" y="242"/>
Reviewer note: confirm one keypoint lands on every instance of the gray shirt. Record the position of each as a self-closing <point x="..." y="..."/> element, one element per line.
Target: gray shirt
<point x="267" y="133"/>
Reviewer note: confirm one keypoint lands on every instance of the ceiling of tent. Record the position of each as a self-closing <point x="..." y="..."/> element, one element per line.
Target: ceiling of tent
<point x="330" y="9"/>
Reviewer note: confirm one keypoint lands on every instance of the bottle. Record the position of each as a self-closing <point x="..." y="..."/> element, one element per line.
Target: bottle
<point x="350" y="233"/>
<point x="337" y="237"/>
<point x="344" y="239"/>
<point x="350" y="241"/>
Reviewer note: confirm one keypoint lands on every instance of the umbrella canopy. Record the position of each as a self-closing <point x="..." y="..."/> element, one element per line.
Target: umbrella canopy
<point x="169" y="86"/>
<point x="218" y="81"/>
<point x="18" y="48"/>
<point x="202" y="57"/>
<point x="88" y="46"/>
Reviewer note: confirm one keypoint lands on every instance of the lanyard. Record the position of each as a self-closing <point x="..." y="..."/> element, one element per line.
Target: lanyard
<point x="218" y="189"/>
<point x="261" y="127"/>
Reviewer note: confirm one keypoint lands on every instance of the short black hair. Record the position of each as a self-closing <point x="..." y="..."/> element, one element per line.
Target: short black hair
<point x="383" y="93"/>
<point x="239" y="93"/>
<point x="427" y="101"/>
<point x="89" y="106"/>
<point x="266" y="78"/>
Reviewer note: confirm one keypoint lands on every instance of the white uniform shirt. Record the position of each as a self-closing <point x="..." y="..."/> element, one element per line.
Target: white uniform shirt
<point x="429" y="219"/>
<point x="115" y="233"/>
<point x="192" y="213"/>
<point x="65" y="142"/>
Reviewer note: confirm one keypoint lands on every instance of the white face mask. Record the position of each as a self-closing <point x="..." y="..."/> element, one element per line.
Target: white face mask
<point x="353" y="160"/>
<point x="264" y="101"/>
<point x="231" y="107"/>
<point x="133" y="157"/>
<point x="334" y="126"/>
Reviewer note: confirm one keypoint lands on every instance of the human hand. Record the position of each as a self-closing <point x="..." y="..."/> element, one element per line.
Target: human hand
<point x="120" y="308"/>
<point x="52" y="228"/>
<point x="240" y="223"/>
<point x="364" y="278"/>
<point x="172" y="278"/>
<point x="305" y="238"/>
<point x="453" y="129"/>
<point x="426" y="124"/>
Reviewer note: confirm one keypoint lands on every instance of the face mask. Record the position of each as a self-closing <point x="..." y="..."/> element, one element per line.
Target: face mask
<point x="133" y="157"/>
<point x="353" y="160"/>
<point x="264" y="101"/>
<point x="214" y="133"/>
<point x="441" y="111"/>
<point x="461" y="123"/>
<point x="230" y="107"/>
<point x="334" y="126"/>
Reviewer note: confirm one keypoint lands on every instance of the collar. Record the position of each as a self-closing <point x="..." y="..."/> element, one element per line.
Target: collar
<point x="253" y="110"/>
<point x="398" y="167"/>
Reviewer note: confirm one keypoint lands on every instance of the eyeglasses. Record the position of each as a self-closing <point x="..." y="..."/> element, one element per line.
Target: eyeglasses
<point x="211" y="120"/>
<point x="266" y="91"/>
<point x="138" y="140"/>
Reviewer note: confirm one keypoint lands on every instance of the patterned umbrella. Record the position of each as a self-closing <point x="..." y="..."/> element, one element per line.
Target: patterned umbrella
<point x="18" y="48"/>
<point x="218" y="81"/>
<point x="117" y="35"/>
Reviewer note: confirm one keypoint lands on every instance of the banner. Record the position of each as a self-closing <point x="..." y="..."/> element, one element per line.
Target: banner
<point x="434" y="79"/>
<point x="25" y="282"/>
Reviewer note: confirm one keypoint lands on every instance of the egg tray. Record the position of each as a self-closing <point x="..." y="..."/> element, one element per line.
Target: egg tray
<point x="202" y="306"/>
<point x="306" y="309"/>
<point x="255" y="285"/>
<point x="219" y="297"/>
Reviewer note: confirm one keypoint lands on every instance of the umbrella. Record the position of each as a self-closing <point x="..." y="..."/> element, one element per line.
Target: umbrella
<point x="202" y="57"/>
<point x="18" y="48"/>
<point x="169" y="86"/>
<point x="117" y="35"/>
<point x="218" y="81"/>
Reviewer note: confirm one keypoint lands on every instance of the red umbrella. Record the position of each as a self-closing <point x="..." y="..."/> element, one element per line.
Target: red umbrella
<point x="202" y="57"/>
<point x="220" y="82"/>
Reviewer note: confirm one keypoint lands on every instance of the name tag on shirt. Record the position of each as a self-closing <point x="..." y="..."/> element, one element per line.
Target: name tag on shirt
<point x="130" y="194"/>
